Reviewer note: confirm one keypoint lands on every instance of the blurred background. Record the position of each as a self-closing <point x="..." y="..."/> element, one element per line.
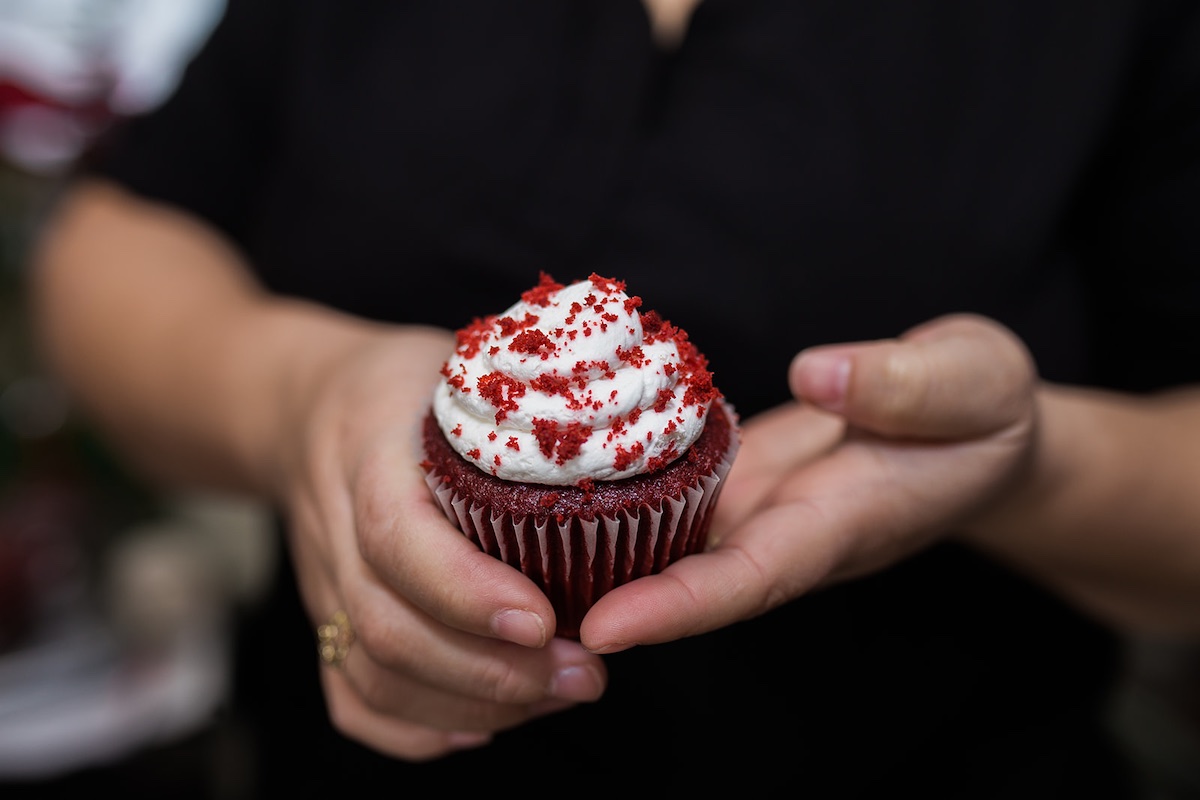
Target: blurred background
<point x="117" y="602"/>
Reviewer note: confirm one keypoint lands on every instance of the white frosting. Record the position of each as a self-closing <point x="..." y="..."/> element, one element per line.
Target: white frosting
<point x="525" y="386"/>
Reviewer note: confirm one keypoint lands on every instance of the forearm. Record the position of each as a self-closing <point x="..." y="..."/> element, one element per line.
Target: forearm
<point x="169" y="344"/>
<point x="1110" y="513"/>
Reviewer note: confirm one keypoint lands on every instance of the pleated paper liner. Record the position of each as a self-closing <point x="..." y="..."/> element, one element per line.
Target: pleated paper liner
<point x="577" y="561"/>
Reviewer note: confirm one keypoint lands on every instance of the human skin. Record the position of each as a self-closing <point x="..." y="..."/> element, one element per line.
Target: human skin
<point x="203" y="379"/>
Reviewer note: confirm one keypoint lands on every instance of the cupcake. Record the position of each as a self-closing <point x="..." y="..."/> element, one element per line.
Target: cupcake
<point x="579" y="439"/>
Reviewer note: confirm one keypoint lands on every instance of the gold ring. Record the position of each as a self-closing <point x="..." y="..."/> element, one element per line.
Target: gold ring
<point x="334" y="639"/>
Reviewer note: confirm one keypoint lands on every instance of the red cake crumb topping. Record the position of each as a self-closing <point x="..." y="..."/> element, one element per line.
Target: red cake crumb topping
<point x="700" y="389"/>
<point x="501" y="391"/>
<point x="552" y="384"/>
<point x="540" y="294"/>
<point x="687" y="378"/>
<point x="626" y="457"/>
<point x="586" y="498"/>
<point x="607" y="285"/>
<point x="509" y="326"/>
<point x="471" y="338"/>
<point x="534" y="342"/>
<point x="655" y="463"/>
<point x="560" y="443"/>
<point x="634" y="356"/>
<point x="652" y="324"/>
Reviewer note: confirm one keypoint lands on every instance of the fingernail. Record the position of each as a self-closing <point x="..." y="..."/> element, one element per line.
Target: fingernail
<point x="824" y="379"/>
<point x="519" y="627"/>
<point x="576" y="683"/>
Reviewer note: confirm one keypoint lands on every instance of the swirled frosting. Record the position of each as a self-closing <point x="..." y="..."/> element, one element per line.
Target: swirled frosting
<point x="573" y="384"/>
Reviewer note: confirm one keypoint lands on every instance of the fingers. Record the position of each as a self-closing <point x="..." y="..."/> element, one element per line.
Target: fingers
<point x="955" y="377"/>
<point x="858" y="509"/>
<point x="953" y="404"/>
<point x="395" y="639"/>
<point x="742" y="578"/>
<point x="393" y="737"/>
<point x="773" y="444"/>
<point x="405" y="537"/>
<point x="466" y="683"/>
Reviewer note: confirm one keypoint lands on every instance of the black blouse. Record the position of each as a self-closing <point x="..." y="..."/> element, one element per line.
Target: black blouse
<point x="795" y="173"/>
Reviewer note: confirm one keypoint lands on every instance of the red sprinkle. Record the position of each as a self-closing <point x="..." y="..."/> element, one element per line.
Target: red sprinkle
<point x="501" y="391"/>
<point x="560" y="444"/>
<point x="540" y="294"/>
<point x="509" y="326"/>
<point x="625" y="458"/>
<point x="607" y="285"/>
<point x="633" y="356"/>
<point x="534" y="342"/>
<point x="471" y="338"/>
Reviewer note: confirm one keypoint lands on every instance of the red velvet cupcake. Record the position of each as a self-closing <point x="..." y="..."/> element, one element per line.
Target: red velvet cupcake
<point x="579" y="440"/>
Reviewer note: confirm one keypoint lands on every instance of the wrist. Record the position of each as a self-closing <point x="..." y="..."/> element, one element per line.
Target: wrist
<point x="296" y="346"/>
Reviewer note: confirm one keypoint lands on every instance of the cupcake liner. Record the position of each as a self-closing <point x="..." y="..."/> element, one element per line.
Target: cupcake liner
<point x="577" y="561"/>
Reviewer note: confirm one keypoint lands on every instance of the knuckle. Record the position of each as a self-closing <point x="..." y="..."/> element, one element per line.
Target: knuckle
<point x="503" y="682"/>
<point x="374" y="512"/>
<point x="374" y="635"/>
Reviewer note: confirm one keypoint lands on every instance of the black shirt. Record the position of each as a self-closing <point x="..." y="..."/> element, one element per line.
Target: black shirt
<point x="795" y="173"/>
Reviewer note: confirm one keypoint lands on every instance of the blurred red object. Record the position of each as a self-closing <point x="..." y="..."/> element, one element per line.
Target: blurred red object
<point x="43" y="134"/>
<point x="68" y="67"/>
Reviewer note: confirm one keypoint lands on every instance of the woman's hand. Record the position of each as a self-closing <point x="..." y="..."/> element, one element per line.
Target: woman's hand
<point x="451" y="644"/>
<point x="890" y="445"/>
<point x="203" y="378"/>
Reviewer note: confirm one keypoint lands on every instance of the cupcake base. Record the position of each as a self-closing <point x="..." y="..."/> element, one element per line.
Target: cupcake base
<point x="578" y="544"/>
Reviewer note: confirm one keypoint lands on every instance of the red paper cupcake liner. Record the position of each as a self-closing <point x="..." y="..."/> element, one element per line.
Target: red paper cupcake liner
<point x="577" y="561"/>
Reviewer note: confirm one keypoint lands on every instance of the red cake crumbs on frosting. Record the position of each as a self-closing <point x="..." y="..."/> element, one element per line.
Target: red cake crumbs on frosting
<point x="561" y="442"/>
<point x="553" y="384"/>
<point x="501" y="391"/>
<point x="606" y="285"/>
<point x="470" y="338"/>
<point x="587" y="498"/>
<point x="533" y="342"/>
<point x="509" y="326"/>
<point x="540" y="294"/>
<point x="626" y="457"/>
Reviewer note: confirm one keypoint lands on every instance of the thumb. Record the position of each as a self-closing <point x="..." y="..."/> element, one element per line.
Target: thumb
<point x="955" y="377"/>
